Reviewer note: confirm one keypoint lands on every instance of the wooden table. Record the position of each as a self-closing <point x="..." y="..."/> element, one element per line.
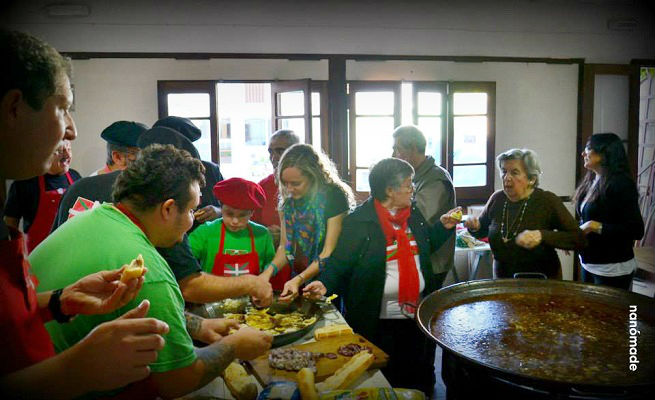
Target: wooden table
<point x="372" y="378"/>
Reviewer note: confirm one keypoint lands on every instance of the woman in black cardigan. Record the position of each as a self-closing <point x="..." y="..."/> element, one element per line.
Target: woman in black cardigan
<point x="607" y="204"/>
<point x="382" y="263"/>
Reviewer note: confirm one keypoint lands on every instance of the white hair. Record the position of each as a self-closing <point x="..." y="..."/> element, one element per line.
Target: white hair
<point x="529" y="159"/>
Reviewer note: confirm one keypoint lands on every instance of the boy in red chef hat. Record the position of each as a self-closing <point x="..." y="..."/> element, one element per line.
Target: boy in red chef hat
<point x="233" y="245"/>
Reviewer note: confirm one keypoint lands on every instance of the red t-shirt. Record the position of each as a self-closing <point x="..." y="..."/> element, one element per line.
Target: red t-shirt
<point x="23" y="338"/>
<point x="268" y="215"/>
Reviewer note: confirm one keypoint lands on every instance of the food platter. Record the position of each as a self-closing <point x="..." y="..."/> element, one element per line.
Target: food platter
<point x="287" y="322"/>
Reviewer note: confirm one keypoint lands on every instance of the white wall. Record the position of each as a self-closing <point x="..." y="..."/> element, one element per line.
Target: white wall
<point x="511" y="28"/>
<point x="536" y="106"/>
<point x="107" y="90"/>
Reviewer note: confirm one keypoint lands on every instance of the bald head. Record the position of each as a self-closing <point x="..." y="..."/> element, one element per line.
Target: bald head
<point x="280" y="141"/>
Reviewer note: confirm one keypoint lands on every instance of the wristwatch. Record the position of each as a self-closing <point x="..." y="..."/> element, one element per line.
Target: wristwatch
<point x="54" y="305"/>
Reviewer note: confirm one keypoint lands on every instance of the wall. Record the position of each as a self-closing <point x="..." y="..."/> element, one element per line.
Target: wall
<point x="510" y="28"/>
<point x="536" y="106"/>
<point x="107" y="90"/>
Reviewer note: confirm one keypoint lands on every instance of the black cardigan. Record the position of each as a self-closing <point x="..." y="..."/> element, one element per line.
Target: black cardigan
<point x="618" y="210"/>
<point x="356" y="270"/>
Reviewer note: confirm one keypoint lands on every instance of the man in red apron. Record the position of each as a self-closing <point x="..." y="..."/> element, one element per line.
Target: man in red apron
<point x="36" y="200"/>
<point x="34" y="119"/>
<point x="233" y="245"/>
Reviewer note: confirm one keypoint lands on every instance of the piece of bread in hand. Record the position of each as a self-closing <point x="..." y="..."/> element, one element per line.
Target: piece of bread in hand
<point x="348" y="373"/>
<point x="241" y="385"/>
<point x="305" y="380"/>
<point x="134" y="270"/>
<point x="332" y="331"/>
<point x="457" y="215"/>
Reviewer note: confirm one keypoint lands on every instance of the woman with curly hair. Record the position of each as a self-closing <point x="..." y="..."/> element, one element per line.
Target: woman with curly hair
<point x="606" y="203"/>
<point x="313" y="202"/>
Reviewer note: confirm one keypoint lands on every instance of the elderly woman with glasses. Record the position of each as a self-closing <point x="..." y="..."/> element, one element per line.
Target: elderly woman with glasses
<point x="381" y="268"/>
<point x="524" y="223"/>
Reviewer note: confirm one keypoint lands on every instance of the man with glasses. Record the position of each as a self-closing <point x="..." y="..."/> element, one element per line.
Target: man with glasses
<point x="121" y="138"/>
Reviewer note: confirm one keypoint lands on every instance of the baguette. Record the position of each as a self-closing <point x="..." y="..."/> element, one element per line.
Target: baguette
<point x="348" y="373"/>
<point x="134" y="270"/>
<point x="305" y="379"/>
<point x="241" y="385"/>
<point x="332" y="331"/>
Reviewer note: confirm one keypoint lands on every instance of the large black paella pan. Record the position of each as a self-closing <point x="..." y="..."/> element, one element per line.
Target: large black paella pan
<point x="546" y="333"/>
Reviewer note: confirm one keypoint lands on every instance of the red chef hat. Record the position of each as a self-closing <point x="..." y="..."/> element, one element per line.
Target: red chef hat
<point x="240" y="193"/>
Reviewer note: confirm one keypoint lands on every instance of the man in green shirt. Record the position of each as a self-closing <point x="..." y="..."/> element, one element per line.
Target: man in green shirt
<point x="154" y="202"/>
<point x="233" y="245"/>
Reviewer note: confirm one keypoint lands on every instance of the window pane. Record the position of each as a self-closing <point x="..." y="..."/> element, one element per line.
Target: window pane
<point x="291" y="103"/>
<point x="362" y="180"/>
<point x="374" y="140"/>
<point x="431" y="128"/>
<point x="316" y="103"/>
<point x="204" y="144"/>
<point x="244" y="126"/>
<point x="470" y="103"/>
<point x="188" y="105"/>
<point x="469" y="175"/>
<point x="316" y="132"/>
<point x="374" y="103"/>
<point x="295" y="124"/>
<point x="429" y="103"/>
<point x="470" y="140"/>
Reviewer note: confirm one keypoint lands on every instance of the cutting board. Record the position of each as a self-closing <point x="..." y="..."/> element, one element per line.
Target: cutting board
<point x="324" y="366"/>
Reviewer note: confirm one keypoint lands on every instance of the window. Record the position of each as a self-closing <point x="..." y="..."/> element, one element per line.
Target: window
<point x="237" y="118"/>
<point x="457" y="119"/>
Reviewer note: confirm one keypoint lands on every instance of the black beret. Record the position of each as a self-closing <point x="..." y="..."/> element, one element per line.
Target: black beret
<point x="123" y="133"/>
<point x="182" y="125"/>
<point x="163" y="135"/>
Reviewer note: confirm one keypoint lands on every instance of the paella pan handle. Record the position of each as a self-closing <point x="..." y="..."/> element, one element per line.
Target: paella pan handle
<point x="405" y="306"/>
<point x="532" y="275"/>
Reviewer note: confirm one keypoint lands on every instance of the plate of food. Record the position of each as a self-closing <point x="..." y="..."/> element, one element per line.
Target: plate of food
<point x="287" y="322"/>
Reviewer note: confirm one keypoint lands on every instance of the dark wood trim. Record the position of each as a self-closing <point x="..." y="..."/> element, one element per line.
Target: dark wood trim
<point x="337" y="112"/>
<point x="304" y="57"/>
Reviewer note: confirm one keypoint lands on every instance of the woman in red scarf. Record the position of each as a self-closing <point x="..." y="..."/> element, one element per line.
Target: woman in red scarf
<point x="381" y="268"/>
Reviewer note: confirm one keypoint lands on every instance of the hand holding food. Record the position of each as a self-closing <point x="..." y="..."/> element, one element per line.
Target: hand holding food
<point x="214" y="329"/>
<point x="591" y="226"/>
<point x="290" y="290"/>
<point x="249" y="343"/>
<point x="450" y="219"/>
<point x="100" y="293"/>
<point x="315" y="290"/>
<point x="207" y="213"/>
<point x="135" y="270"/>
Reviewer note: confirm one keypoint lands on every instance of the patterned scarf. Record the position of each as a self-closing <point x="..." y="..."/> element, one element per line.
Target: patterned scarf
<point x="304" y="221"/>
<point x="408" y="285"/>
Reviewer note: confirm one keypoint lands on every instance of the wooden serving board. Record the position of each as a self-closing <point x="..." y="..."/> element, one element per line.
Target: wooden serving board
<point x="324" y="366"/>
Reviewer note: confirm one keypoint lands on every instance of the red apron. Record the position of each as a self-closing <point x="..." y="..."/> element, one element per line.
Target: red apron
<point x="23" y="338"/>
<point x="236" y="265"/>
<point x="45" y="213"/>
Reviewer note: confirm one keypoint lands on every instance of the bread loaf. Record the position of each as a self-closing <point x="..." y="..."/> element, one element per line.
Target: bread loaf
<point x="241" y="385"/>
<point x="305" y="379"/>
<point x="134" y="270"/>
<point x="348" y="373"/>
<point x="332" y="331"/>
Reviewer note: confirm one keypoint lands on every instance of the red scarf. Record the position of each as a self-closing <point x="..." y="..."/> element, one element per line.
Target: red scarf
<point x="408" y="285"/>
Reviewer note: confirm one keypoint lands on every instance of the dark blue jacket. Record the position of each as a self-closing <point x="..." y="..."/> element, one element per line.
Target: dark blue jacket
<point x="356" y="270"/>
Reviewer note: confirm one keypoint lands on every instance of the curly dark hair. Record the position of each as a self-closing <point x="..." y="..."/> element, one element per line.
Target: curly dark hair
<point x="161" y="172"/>
<point x="32" y="66"/>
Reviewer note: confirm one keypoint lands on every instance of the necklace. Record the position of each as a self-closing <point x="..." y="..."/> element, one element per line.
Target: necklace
<point x="505" y="227"/>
